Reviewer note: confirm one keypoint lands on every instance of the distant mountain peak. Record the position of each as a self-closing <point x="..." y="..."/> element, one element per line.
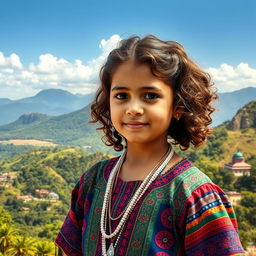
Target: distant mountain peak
<point x="245" y="90"/>
<point x="52" y="92"/>
<point x="50" y="101"/>
<point x="31" y="118"/>
<point x="244" y="118"/>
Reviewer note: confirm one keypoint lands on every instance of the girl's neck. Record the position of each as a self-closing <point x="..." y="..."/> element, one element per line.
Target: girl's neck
<point x="139" y="153"/>
<point x="141" y="159"/>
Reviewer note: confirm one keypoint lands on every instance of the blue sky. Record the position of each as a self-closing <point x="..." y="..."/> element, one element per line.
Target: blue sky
<point x="220" y="35"/>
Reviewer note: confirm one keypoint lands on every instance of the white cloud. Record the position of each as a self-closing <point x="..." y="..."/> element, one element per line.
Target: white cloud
<point x="15" y="61"/>
<point x="108" y="45"/>
<point x="12" y="61"/>
<point x="18" y="81"/>
<point x="2" y="59"/>
<point x="228" y="78"/>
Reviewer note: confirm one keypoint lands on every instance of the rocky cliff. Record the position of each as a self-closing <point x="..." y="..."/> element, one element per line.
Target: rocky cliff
<point x="244" y="118"/>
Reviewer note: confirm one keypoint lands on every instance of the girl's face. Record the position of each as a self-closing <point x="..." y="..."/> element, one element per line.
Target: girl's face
<point x="141" y="105"/>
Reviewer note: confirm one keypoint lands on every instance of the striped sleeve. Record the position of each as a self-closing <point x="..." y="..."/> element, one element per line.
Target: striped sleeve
<point x="69" y="238"/>
<point x="210" y="223"/>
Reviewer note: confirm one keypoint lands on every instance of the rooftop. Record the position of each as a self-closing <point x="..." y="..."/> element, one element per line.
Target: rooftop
<point x="238" y="155"/>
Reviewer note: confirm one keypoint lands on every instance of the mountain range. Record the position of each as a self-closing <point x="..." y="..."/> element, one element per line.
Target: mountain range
<point x="50" y="102"/>
<point x="56" y="102"/>
<point x="229" y="102"/>
<point x="74" y="129"/>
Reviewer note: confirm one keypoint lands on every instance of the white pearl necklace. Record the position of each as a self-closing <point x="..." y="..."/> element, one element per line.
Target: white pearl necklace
<point x="137" y="195"/>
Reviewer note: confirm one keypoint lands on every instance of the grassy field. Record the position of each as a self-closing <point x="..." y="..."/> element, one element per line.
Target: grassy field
<point x="38" y="143"/>
<point x="241" y="140"/>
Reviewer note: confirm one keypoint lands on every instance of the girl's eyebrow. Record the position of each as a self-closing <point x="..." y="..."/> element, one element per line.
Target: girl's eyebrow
<point x="117" y="88"/>
<point x="152" y="88"/>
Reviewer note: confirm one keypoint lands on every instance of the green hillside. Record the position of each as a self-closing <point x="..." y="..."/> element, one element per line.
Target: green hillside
<point x="226" y="141"/>
<point x="55" y="170"/>
<point x="25" y="119"/>
<point x="220" y="147"/>
<point x="71" y="129"/>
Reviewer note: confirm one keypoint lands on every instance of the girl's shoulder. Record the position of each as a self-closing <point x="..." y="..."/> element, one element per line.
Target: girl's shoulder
<point x="190" y="179"/>
<point x="193" y="184"/>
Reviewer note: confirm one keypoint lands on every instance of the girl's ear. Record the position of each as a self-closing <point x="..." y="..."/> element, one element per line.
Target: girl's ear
<point x="178" y="111"/>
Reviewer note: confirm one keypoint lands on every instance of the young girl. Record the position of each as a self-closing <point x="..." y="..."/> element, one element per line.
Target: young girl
<point x="150" y="201"/>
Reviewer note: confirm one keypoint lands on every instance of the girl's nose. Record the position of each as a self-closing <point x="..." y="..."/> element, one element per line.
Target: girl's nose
<point x="134" y="108"/>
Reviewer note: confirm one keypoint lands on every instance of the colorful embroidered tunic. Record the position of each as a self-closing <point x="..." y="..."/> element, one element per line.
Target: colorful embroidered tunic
<point x="181" y="213"/>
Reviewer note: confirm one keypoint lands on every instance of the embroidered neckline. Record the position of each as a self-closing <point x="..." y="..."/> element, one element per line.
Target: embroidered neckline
<point x="159" y="177"/>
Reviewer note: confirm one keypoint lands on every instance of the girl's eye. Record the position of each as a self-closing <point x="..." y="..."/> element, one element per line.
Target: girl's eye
<point x="151" y="96"/>
<point x="121" y="96"/>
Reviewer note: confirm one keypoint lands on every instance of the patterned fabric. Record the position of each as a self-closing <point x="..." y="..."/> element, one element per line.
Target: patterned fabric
<point x="181" y="213"/>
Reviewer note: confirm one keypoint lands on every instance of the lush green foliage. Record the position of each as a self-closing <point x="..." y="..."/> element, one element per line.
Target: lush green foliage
<point x="13" y="243"/>
<point x="69" y="129"/>
<point x="9" y="150"/>
<point x="56" y="170"/>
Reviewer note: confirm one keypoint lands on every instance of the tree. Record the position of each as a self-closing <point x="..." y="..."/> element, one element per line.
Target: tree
<point x="5" y="217"/>
<point x="7" y="234"/>
<point x="44" y="248"/>
<point x="5" y="253"/>
<point x="247" y="182"/>
<point x="253" y="237"/>
<point x="22" y="246"/>
<point x="245" y="239"/>
<point x="249" y="199"/>
<point x="50" y="231"/>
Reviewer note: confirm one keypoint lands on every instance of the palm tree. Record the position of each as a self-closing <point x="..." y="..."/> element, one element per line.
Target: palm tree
<point x="23" y="246"/>
<point x="44" y="248"/>
<point x="5" y="253"/>
<point x="7" y="234"/>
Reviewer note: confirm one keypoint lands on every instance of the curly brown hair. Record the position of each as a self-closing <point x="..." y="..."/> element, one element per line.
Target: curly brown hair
<point x="169" y="62"/>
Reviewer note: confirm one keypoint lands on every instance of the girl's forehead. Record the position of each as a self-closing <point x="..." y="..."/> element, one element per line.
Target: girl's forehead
<point x="131" y="72"/>
<point x="131" y="75"/>
<point x="132" y="67"/>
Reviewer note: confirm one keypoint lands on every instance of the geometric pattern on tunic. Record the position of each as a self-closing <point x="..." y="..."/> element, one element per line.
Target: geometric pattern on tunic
<point x="181" y="213"/>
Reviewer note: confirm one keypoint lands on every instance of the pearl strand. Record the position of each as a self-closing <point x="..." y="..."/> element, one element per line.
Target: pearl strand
<point x="103" y="221"/>
<point x="138" y="194"/>
<point x="114" y="185"/>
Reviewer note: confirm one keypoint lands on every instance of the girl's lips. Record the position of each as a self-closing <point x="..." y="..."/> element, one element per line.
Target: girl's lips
<point x="135" y="125"/>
